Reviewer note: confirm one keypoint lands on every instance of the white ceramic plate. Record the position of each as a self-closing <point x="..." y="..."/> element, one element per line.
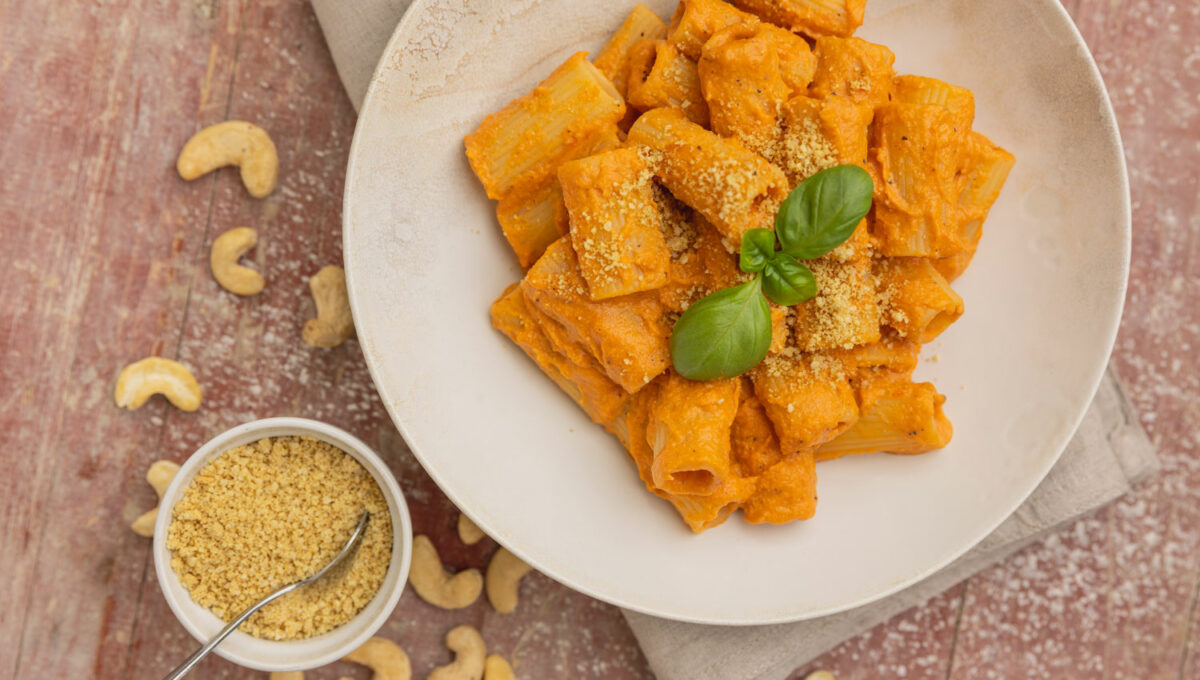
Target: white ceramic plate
<point x="425" y="258"/>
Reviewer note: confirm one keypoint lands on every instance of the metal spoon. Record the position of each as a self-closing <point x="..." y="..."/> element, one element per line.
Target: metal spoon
<point x="355" y="539"/>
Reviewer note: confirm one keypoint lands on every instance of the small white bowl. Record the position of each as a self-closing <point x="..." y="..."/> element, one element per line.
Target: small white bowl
<point x="268" y="655"/>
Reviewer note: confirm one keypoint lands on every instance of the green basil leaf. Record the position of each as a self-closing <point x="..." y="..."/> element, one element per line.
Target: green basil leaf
<point x="788" y="282"/>
<point x="823" y="211"/>
<point x="758" y="247"/>
<point x="724" y="334"/>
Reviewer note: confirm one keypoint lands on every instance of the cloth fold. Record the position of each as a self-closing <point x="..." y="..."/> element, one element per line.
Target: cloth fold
<point x="1108" y="454"/>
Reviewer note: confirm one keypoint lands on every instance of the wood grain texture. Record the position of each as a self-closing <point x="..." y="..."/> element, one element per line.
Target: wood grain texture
<point x="97" y="237"/>
<point x="106" y="250"/>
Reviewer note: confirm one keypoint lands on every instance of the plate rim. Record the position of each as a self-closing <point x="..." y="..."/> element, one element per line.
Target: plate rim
<point x="1112" y="130"/>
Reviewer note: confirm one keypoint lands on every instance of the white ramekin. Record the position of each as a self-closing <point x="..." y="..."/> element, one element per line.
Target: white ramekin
<point x="267" y="655"/>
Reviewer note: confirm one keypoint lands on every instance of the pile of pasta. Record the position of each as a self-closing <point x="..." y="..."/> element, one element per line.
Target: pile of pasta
<point x="625" y="184"/>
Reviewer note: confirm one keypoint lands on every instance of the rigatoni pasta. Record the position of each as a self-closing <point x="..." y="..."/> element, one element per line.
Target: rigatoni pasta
<point x="854" y="68"/>
<point x="742" y="80"/>
<point x="532" y="214"/>
<point x="613" y="60"/>
<point x="725" y="110"/>
<point x="733" y="187"/>
<point x="662" y="76"/>
<point x="813" y="18"/>
<point x="616" y="226"/>
<point x="542" y="127"/>
<point x="688" y="431"/>
<point x="899" y="416"/>
<point x="695" y="21"/>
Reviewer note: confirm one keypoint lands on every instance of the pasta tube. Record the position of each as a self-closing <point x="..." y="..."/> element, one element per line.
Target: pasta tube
<point x="543" y="127"/>
<point x="532" y="214"/>
<point x="688" y="432"/>
<point x="660" y="75"/>
<point x="817" y="134"/>
<point x="844" y="313"/>
<point x="899" y="416"/>
<point x="584" y="381"/>
<point x="813" y="18"/>
<point x="807" y="397"/>
<point x="752" y="441"/>
<point x="695" y="21"/>
<point x="854" y="68"/>
<point x="616" y="227"/>
<point x="628" y="335"/>
<point x="786" y="492"/>
<point x="613" y="60"/>
<point x="730" y="185"/>
<point x="745" y="90"/>
<point x="916" y="152"/>
<point x="917" y="301"/>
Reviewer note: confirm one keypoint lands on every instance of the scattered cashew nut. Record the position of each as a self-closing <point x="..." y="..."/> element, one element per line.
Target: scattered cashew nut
<point x="288" y="675"/>
<point x="333" y="323"/>
<point x="384" y="657"/>
<point x="437" y="586"/>
<point x="497" y="668"/>
<point x="468" y="532"/>
<point x="154" y="375"/>
<point x="227" y="249"/>
<point x="467" y="645"/>
<point x="233" y="142"/>
<point x="159" y="475"/>
<point x="504" y="574"/>
<point x="820" y="675"/>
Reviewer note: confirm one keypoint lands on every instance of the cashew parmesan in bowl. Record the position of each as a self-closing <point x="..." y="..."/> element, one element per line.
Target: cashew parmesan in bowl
<point x="271" y="512"/>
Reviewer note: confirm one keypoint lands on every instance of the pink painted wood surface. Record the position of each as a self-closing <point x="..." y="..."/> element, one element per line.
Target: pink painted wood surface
<point x="106" y="262"/>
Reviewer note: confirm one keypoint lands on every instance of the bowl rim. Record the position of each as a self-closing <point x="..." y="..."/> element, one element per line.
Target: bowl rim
<point x="187" y="611"/>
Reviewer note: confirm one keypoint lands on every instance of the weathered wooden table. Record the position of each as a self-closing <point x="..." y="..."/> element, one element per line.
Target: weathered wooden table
<point x="104" y="256"/>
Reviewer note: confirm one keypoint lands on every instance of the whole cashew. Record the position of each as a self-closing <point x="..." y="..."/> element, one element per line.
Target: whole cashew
<point x="287" y="675"/>
<point x="384" y="657"/>
<point x="497" y="668"/>
<point x="227" y="249"/>
<point x="233" y="142"/>
<point x="333" y="323"/>
<point x="820" y="675"/>
<point x="467" y="645"/>
<point x="504" y="574"/>
<point x="159" y="475"/>
<point x="468" y="532"/>
<point x="154" y="375"/>
<point x="437" y="586"/>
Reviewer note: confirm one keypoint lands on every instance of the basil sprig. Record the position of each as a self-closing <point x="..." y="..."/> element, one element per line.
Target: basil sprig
<point x="728" y="332"/>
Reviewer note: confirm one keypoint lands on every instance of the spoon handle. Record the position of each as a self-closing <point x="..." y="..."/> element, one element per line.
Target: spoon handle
<point x="232" y="626"/>
<point x="355" y="538"/>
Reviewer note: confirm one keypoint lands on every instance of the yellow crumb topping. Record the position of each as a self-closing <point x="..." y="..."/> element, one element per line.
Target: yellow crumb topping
<point x="263" y="515"/>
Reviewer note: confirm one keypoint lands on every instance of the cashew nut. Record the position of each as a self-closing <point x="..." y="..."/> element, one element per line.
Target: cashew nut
<point x="159" y="475"/>
<point x="333" y="323"/>
<point x="467" y="645"/>
<point x="504" y="574"/>
<point x="227" y="249"/>
<point x="384" y="657"/>
<point x="468" y="532"/>
<point x="233" y="142"/>
<point x="437" y="586"/>
<point x="820" y="675"/>
<point x="154" y="375"/>
<point x="497" y="668"/>
<point x="288" y="675"/>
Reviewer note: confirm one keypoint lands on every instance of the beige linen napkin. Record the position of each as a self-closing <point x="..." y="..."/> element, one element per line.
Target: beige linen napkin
<point x="1108" y="454"/>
